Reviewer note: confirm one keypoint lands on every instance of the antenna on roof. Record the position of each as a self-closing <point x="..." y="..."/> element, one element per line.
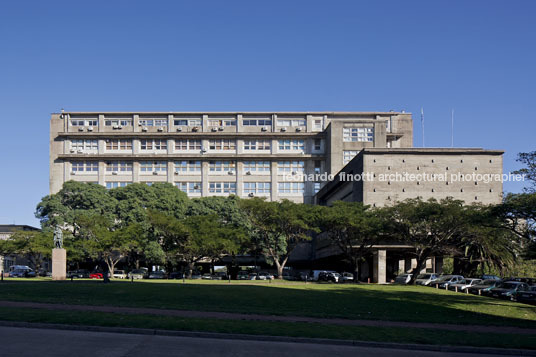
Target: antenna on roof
<point x="452" y="128"/>
<point x="422" y="125"/>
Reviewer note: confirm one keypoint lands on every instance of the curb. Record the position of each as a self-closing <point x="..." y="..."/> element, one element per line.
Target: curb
<point x="264" y="338"/>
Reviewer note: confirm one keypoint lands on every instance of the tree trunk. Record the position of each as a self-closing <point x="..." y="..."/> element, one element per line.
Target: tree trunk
<point x="421" y="262"/>
<point x="189" y="269"/>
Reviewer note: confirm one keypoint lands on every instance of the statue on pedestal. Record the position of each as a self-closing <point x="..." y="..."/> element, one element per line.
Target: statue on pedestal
<point x="58" y="238"/>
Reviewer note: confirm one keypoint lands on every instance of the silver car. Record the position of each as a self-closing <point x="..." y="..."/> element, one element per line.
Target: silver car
<point x="464" y="284"/>
<point x="426" y="279"/>
<point x="403" y="279"/>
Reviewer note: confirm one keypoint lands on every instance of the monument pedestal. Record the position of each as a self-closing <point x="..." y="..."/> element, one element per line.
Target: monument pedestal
<point x="59" y="264"/>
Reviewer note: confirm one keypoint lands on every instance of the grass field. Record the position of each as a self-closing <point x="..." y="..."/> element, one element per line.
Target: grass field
<point x="394" y="303"/>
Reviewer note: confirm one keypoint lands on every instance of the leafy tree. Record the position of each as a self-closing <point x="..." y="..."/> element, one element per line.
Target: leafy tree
<point x="432" y="227"/>
<point x="74" y="199"/>
<point x="33" y="245"/>
<point x="195" y="238"/>
<point x="354" y="229"/>
<point x="529" y="159"/>
<point x="281" y="226"/>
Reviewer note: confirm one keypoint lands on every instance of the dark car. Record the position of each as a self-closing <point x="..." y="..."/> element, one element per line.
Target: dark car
<point x="159" y="274"/>
<point x="490" y="277"/>
<point x="22" y="273"/>
<point x="527" y="296"/>
<point x="506" y="290"/>
<point x="483" y="285"/>
<point x="176" y="275"/>
<point x="80" y="273"/>
<point x="242" y="275"/>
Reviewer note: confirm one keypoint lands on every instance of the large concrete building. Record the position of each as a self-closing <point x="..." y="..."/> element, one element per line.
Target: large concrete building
<point x="247" y="154"/>
<point x="274" y="155"/>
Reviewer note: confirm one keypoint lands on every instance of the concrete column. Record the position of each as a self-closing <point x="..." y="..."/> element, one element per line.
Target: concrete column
<point x="102" y="173"/>
<point x="204" y="178"/>
<point x="239" y="124"/>
<point x="170" y="171"/>
<point x="101" y="123"/>
<point x="170" y="123"/>
<point x="136" y="172"/>
<point x="135" y="123"/>
<point x="401" y="266"/>
<point x="205" y="123"/>
<point x="239" y="178"/>
<point x="379" y="266"/>
<point x="438" y="265"/>
<point x="274" y="196"/>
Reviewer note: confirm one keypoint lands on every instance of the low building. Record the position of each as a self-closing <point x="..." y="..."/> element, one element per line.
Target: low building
<point x="383" y="176"/>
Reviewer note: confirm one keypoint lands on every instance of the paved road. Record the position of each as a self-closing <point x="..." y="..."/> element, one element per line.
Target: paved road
<point x="31" y="342"/>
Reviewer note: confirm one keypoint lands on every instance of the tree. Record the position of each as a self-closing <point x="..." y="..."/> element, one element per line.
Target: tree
<point x="431" y="227"/>
<point x="354" y="229"/>
<point x="281" y="226"/>
<point x="33" y="245"/>
<point x="195" y="238"/>
<point x="529" y="159"/>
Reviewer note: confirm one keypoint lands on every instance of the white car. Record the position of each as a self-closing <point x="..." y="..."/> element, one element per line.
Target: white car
<point x="464" y="284"/>
<point x="426" y="279"/>
<point x="403" y="279"/>
<point x="446" y="280"/>
<point x="119" y="274"/>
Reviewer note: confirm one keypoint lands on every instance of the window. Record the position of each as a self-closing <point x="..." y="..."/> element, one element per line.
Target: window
<point x="291" y="145"/>
<point x="146" y="122"/>
<point x="81" y="144"/>
<point x="222" y="122"/>
<point x="316" y="187"/>
<point x="317" y="125"/>
<point x="153" y="144"/>
<point x="291" y="187"/>
<point x="348" y="156"/>
<point x="85" y="166"/>
<point x="256" y="188"/>
<point x="84" y="122"/>
<point x="118" y="144"/>
<point x="116" y="184"/>
<point x="290" y="166"/>
<point x="222" y="187"/>
<point x="160" y="122"/>
<point x="188" y="166"/>
<point x="318" y="144"/>
<point x="221" y="166"/>
<point x="153" y="166"/>
<point x="257" y="166"/>
<point x="257" y="145"/>
<point x="119" y="166"/>
<point x="318" y="166"/>
<point x="189" y="187"/>
<point x="255" y="122"/>
<point x="291" y="122"/>
<point x="187" y="122"/>
<point x="222" y="144"/>
<point x="187" y="144"/>
<point x="118" y="122"/>
<point x="358" y="134"/>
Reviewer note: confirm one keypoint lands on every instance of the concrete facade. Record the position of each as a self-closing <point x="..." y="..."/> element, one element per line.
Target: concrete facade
<point x="204" y="154"/>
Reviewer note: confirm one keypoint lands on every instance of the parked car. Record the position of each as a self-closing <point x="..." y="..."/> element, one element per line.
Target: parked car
<point x="446" y="280"/>
<point x="464" y="284"/>
<point x="506" y="290"/>
<point x="137" y="274"/>
<point x="334" y="277"/>
<point x="96" y="275"/>
<point x="403" y="279"/>
<point x="490" y="277"/>
<point x="483" y="285"/>
<point x="82" y="273"/>
<point x="347" y="277"/>
<point x="263" y="275"/>
<point x="119" y="274"/>
<point x="528" y="281"/>
<point x="220" y="275"/>
<point x="426" y="279"/>
<point x="23" y="273"/>
<point x="159" y="274"/>
<point x="206" y="276"/>
<point x="196" y="275"/>
<point x="527" y="296"/>
<point x="176" y="275"/>
<point x="252" y="276"/>
<point x="242" y="275"/>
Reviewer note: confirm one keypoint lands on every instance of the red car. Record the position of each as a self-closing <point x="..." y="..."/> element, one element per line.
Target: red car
<point x="95" y="275"/>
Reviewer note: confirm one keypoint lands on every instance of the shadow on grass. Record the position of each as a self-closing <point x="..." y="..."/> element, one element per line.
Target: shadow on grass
<point x="394" y="303"/>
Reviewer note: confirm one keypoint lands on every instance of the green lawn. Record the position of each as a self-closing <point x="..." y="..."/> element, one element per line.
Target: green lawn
<point x="378" y="334"/>
<point x="396" y="303"/>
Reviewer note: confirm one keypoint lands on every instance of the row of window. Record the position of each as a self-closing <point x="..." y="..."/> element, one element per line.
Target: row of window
<point x="255" y="188"/>
<point x="163" y="122"/>
<point x="358" y="134"/>
<point x="193" y="144"/>
<point x="194" y="166"/>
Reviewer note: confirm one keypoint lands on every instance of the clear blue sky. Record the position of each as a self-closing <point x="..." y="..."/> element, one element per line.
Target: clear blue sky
<point x="477" y="57"/>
